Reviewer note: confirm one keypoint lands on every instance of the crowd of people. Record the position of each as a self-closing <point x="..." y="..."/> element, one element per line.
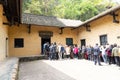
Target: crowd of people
<point x="109" y="54"/>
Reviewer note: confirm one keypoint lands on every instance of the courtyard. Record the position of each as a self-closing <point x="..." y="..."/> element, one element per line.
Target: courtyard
<point x="67" y="69"/>
<point x="23" y="34"/>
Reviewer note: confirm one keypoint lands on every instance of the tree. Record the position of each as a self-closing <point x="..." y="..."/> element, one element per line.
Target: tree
<point x="69" y="9"/>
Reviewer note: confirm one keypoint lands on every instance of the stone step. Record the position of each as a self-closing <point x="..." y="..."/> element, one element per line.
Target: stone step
<point x="32" y="58"/>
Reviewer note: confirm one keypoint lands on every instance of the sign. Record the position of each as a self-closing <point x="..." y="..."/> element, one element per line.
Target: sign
<point x="45" y="34"/>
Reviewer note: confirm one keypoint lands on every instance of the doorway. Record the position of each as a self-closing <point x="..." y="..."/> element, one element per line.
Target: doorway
<point x="6" y="47"/>
<point x="83" y="42"/>
<point x="44" y="40"/>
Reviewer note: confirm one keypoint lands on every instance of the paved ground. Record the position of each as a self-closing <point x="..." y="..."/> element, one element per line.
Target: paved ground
<point x="67" y="70"/>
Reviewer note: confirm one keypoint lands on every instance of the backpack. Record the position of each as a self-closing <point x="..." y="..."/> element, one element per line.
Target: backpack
<point x="46" y="47"/>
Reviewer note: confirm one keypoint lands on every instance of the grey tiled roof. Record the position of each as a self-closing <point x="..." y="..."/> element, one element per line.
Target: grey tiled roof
<point x="48" y="21"/>
<point x="53" y="21"/>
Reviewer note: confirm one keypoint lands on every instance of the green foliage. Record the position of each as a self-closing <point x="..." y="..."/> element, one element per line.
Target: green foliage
<point x="69" y="9"/>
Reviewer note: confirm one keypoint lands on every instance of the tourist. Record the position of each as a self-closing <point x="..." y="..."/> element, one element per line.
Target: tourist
<point x="46" y="49"/>
<point x="71" y="52"/>
<point x="119" y="55"/>
<point x="109" y="52"/>
<point x="83" y="51"/>
<point x="103" y="53"/>
<point x="62" y="51"/>
<point x="75" y="51"/>
<point x="79" y="52"/>
<point x="59" y="49"/>
<point x="51" y="53"/>
<point x="115" y="53"/>
<point x="67" y="49"/>
<point x="88" y="50"/>
<point x="97" y="55"/>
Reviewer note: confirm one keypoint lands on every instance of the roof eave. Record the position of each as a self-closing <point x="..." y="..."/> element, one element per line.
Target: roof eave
<point x="52" y="26"/>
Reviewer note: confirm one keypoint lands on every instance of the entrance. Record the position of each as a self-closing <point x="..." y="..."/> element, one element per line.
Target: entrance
<point x="83" y="42"/>
<point x="44" y="40"/>
<point x="6" y="47"/>
<point x="45" y="37"/>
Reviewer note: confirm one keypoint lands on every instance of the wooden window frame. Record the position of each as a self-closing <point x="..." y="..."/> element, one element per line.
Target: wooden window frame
<point x="69" y="39"/>
<point x="103" y="39"/>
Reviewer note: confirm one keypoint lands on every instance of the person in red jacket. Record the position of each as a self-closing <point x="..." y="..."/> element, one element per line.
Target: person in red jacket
<point x="75" y="51"/>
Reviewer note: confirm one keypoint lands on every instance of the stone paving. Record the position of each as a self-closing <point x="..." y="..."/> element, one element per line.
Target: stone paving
<point x="67" y="70"/>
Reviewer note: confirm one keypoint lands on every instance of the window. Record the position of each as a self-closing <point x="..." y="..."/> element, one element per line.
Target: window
<point x="69" y="41"/>
<point x="103" y="40"/>
<point x="18" y="42"/>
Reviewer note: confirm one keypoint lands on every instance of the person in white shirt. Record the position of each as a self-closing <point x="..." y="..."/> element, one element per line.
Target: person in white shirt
<point x="103" y="51"/>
